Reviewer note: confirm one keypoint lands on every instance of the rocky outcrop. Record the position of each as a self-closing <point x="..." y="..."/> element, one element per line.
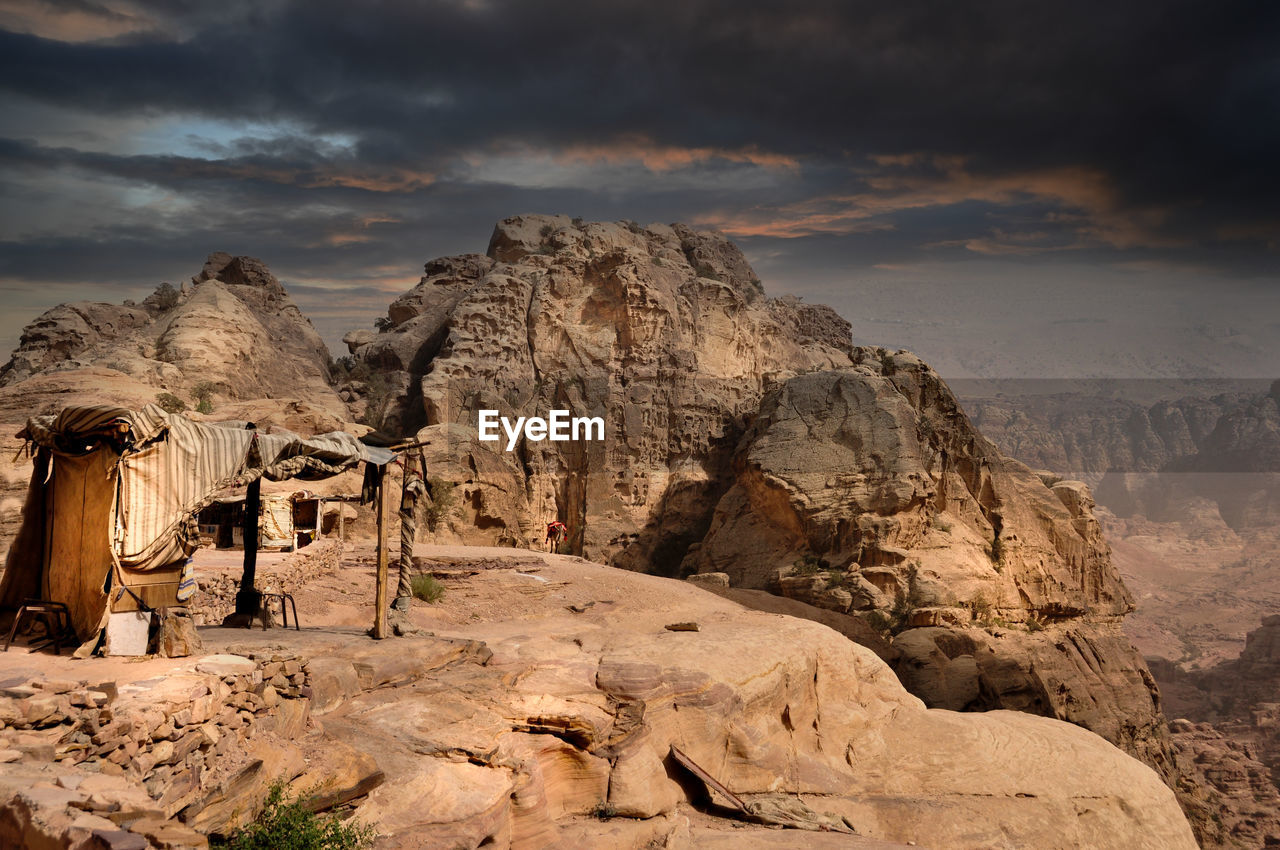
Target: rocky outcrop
<point x="1228" y="794"/>
<point x="1227" y="738"/>
<point x="867" y="491"/>
<point x="661" y="331"/>
<point x="1076" y="433"/>
<point x="230" y="338"/>
<point x="577" y="713"/>
<point x="233" y="329"/>
<point x="746" y="435"/>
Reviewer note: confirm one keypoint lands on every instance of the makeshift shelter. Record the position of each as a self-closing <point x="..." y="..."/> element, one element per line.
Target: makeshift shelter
<point x="110" y="516"/>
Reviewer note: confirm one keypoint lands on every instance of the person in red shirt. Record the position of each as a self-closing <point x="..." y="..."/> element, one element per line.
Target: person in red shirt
<point x="556" y="534"/>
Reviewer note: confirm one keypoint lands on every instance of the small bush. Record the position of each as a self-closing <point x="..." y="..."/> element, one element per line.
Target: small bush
<point x="287" y="824"/>
<point x="706" y="270"/>
<point x="165" y="297"/>
<point x="203" y="394"/>
<point x="879" y="621"/>
<point x="982" y="607"/>
<point x="170" y="403"/>
<point x="1035" y="624"/>
<point x="426" y="588"/>
<point x="378" y="399"/>
<point x="942" y="525"/>
<point x="809" y="565"/>
<point x="442" y="500"/>
<point x="546" y="230"/>
<point x="604" y="810"/>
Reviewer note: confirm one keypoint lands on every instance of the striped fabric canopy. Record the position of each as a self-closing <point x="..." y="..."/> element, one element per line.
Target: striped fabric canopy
<point x="170" y="467"/>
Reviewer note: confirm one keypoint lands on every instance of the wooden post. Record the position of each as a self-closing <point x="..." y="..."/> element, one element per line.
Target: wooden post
<point x="380" y="595"/>
<point x="342" y="521"/>
<point x="249" y="600"/>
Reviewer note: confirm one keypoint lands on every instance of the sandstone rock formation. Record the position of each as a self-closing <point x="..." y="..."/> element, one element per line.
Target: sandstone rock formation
<point x="234" y="328"/>
<point x="1227" y="736"/>
<point x="548" y="701"/>
<point x="576" y="713"/>
<point x="746" y="435"/>
<point x="866" y="491"/>
<point x="231" y="336"/>
<point x="663" y="331"/>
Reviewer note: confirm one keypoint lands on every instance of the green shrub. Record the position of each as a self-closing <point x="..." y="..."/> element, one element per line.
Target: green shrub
<point x="378" y="398"/>
<point x="203" y="394"/>
<point x="879" y="621"/>
<point x="442" y="500"/>
<point x="982" y="607"/>
<point x="287" y="824"/>
<point x="809" y="565"/>
<point x="706" y="270"/>
<point x="165" y="297"/>
<point x="170" y="403"/>
<point x="426" y="588"/>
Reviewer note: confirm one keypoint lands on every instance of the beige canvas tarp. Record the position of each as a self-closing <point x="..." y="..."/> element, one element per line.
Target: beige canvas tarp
<point x="276" y="521"/>
<point x="114" y="497"/>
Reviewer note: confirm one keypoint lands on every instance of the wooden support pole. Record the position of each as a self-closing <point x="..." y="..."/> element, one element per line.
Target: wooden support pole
<point x="380" y="594"/>
<point x="249" y="600"/>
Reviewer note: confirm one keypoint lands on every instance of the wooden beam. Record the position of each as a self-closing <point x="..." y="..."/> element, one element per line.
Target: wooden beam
<point x="380" y="594"/>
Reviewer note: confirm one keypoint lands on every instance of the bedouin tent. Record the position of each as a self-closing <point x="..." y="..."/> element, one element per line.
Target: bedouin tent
<point x="110" y="515"/>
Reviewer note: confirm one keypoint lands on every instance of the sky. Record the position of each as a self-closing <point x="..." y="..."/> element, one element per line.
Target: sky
<point x="1011" y="189"/>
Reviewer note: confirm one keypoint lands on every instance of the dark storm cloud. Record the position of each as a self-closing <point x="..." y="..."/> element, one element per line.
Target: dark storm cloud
<point x="347" y="143"/>
<point x="1176" y="103"/>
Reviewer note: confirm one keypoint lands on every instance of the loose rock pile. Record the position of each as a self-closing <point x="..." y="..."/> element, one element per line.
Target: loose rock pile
<point x="216" y="597"/>
<point x="161" y="748"/>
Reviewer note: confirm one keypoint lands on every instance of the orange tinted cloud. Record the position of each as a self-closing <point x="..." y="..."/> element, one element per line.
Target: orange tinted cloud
<point x="1090" y="205"/>
<point x="361" y="234"/>
<point x="329" y="175"/>
<point x="71" y="23"/>
<point x="660" y="158"/>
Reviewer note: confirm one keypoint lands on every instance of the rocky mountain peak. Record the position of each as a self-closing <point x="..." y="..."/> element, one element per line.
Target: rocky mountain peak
<point x="232" y="334"/>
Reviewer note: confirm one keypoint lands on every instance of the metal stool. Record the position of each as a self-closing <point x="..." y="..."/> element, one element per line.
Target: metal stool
<point x="56" y="619"/>
<point x="284" y="614"/>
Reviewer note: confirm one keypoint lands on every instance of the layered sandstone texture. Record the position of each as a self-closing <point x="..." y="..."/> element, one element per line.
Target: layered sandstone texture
<point x="748" y="436"/>
<point x="232" y="328"/>
<point x="231" y="336"/>
<point x="867" y="491"/>
<point x="663" y="331"/>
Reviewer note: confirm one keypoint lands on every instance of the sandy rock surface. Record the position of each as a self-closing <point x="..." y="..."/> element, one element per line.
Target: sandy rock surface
<point x="586" y="692"/>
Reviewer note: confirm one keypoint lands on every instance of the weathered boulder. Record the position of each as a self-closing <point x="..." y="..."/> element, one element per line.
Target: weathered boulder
<point x="866" y="490"/>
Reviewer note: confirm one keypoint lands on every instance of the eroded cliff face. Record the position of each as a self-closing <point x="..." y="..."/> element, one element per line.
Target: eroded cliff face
<point x="747" y="436"/>
<point x="663" y="332"/>
<point x="867" y="491"/>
